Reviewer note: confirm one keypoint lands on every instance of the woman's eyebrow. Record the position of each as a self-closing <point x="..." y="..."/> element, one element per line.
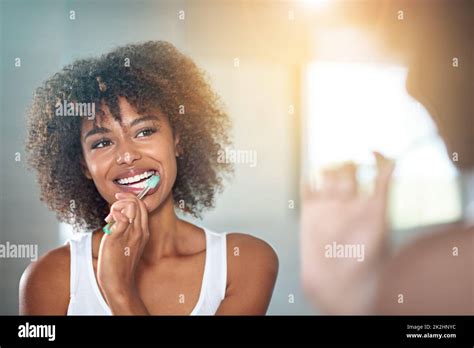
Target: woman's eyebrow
<point x="144" y="119"/>
<point x="96" y="130"/>
<point x="103" y="130"/>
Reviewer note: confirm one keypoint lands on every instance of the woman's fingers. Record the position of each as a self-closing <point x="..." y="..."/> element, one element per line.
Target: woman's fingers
<point x="340" y="182"/>
<point x="385" y="169"/>
<point x="127" y="207"/>
<point x="130" y="211"/>
<point x="142" y="212"/>
<point x="329" y="183"/>
<point x="347" y="179"/>
<point x="124" y="212"/>
<point x="121" y="223"/>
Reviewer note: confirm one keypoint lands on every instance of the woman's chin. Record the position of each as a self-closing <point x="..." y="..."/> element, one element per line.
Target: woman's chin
<point x="154" y="201"/>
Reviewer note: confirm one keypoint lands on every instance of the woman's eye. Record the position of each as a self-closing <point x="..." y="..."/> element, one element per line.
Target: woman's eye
<point x="101" y="143"/>
<point x="146" y="132"/>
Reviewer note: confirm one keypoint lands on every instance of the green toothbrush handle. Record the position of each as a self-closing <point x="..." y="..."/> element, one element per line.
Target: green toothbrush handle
<point x="107" y="228"/>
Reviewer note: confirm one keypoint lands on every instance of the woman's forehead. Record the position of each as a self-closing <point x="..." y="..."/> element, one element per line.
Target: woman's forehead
<point x="127" y="115"/>
<point x="125" y="121"/>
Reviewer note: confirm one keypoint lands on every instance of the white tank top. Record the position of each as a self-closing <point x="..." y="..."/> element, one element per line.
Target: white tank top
<point x="85" y="295"/>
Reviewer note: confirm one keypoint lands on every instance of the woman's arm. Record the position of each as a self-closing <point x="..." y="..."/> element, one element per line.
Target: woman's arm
<point x="252" y="268"/>
<point x="44" y="286"/>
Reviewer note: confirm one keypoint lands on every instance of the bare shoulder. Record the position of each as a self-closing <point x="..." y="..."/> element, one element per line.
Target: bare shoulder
<point x="252" y="269"/>
<point x="249" y="256"/>
<point x="44" y="285"/>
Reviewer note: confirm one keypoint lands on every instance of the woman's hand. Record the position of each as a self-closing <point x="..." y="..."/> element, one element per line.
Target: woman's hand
<point x="338" y="217"/>
<point x="120" y="252"/>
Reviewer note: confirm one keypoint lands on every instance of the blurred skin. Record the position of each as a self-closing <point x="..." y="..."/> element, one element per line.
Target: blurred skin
<point x="339" y="213"/>
<point x="431" y="279"/>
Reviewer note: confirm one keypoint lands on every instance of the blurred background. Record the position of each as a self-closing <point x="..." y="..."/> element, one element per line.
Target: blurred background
<point x="306" y="84"/>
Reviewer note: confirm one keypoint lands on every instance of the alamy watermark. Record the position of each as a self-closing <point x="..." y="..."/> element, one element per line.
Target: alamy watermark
<point x="28" y="330"/>
<point x="229" y="155"/>
<point x="354" y="251"/>
<point x="19" y="251"/>
<point x="66" y="108"/>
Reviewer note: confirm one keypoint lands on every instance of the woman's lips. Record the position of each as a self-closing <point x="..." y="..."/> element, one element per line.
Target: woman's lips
<point x="136" y="190"/>
<point x="135" y="175"/>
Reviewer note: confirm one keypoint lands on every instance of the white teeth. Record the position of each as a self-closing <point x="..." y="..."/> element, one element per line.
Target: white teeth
<point x="139" y="185"/>
<point x="134" y="179"/>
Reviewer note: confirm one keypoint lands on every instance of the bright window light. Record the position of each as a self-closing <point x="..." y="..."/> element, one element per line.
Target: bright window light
<point x="354" y="108"/>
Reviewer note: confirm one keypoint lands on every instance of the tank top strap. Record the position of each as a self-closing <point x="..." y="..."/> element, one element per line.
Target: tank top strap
<point x="78" y="244"/>
<point x="216" y="276"/>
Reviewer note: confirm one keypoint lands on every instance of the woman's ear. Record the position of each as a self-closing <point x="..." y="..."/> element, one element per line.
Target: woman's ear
<point x="85" y="170"/>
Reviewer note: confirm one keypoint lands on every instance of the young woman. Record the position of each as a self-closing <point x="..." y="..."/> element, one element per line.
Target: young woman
<point x="155" y="114"/>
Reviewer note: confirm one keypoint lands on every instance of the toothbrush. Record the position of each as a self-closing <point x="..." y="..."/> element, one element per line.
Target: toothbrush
<point x="150" y="184"/>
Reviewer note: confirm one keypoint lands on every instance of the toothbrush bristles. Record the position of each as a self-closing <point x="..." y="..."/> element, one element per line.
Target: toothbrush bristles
<point x="151" y="183"/>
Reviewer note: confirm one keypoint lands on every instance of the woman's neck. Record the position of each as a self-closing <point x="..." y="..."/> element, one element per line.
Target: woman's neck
<point x="163" y="224"/>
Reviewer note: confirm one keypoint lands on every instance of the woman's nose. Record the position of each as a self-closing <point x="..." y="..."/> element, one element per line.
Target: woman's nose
<point x="126" y="155"/>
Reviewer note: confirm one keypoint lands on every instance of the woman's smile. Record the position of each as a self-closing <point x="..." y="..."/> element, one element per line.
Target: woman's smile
<point x="135" y="180"/>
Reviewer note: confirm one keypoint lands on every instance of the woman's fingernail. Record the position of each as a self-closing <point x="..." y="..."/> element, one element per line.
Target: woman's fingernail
<point x="107" y="218"/>
<point x="119" y="195"/>
<point x="113" y="216"/>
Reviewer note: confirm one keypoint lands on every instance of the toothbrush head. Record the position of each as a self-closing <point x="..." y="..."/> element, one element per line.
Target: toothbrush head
<point x="153" y="181"/>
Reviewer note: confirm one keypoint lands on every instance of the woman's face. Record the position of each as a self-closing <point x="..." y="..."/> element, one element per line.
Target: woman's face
<point x="119" y="157"/>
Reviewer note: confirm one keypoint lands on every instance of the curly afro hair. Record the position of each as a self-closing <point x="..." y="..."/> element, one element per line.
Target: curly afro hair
<point x="149" y="75"/>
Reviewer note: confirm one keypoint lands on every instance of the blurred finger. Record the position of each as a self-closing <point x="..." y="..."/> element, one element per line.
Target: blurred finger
<point x="340" y="181"/>
<point x="347" y="180"/>
<point x="385" y="168"/>
<point x="329" y="183"/>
